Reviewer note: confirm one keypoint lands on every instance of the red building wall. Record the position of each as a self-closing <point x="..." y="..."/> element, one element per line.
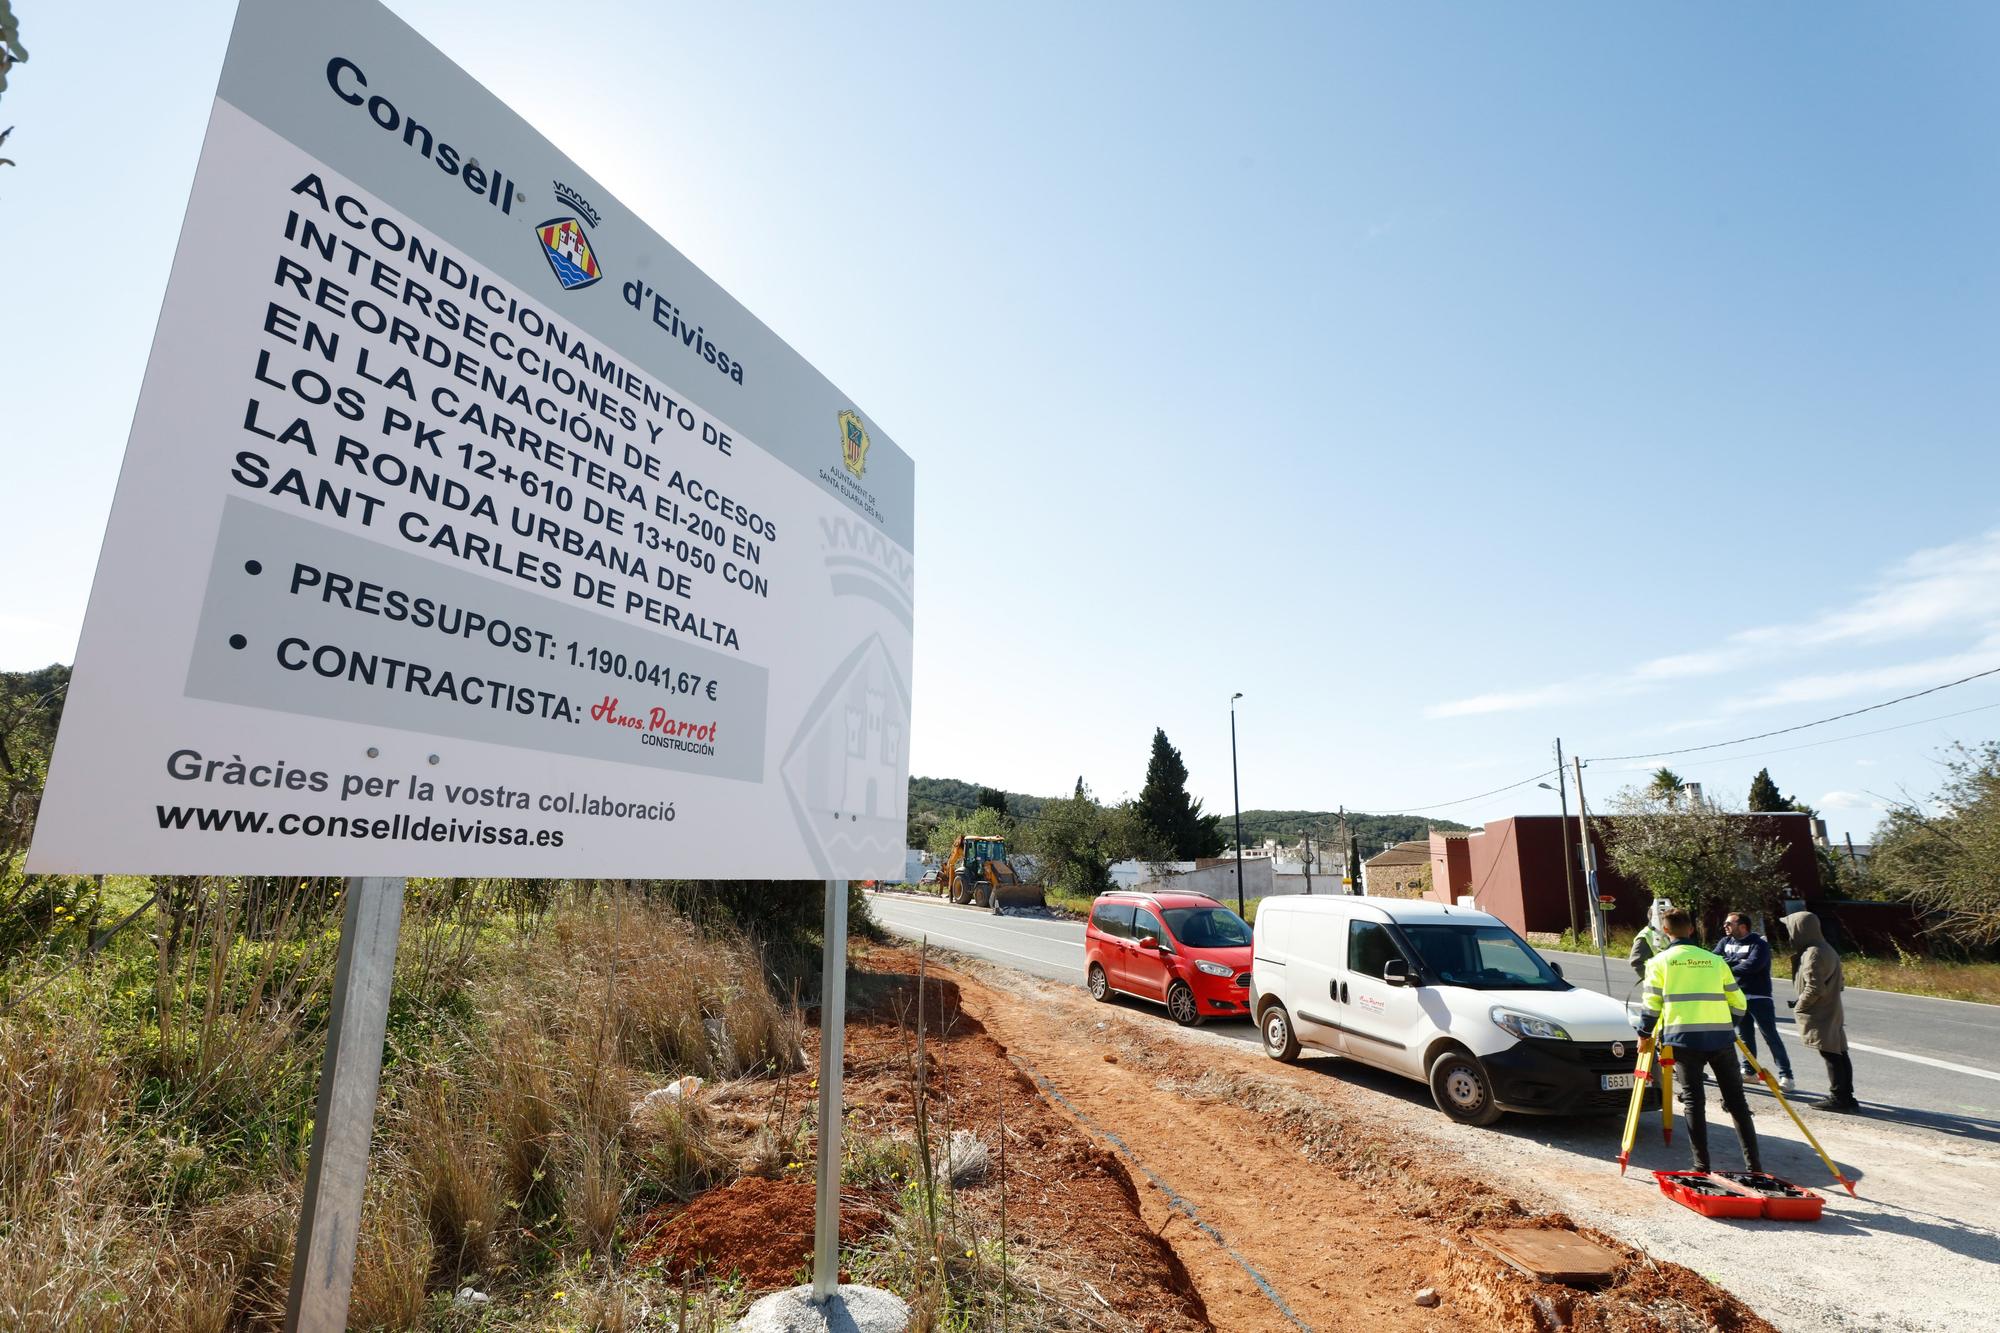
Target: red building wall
<point x="1514" y="869"/>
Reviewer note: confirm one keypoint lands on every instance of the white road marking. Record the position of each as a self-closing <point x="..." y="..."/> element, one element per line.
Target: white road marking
<point x="1925" y="1060"/>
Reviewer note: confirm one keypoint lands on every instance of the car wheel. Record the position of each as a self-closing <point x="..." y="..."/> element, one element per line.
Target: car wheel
<point x="1280" y="1042"/>
<point x="1100" y="985"/>
<point x="1181" y="1006"/>
<point x="1461" y="1089"/>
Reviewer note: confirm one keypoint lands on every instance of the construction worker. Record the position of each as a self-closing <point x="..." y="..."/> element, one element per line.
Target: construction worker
<point x="1650" y="939"/>
<point x="1749" y="957"/>
<point x="1816" y="976"/>
<point x="1692" y="1001"/>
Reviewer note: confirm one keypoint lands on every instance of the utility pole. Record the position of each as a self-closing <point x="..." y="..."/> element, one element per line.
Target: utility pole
<point x="1309" y="860"/>
<point x="1353" y="879"/>
<point x="1562" y="795"/>
<point x="1236" y="791"/>
<point x="1598" y="925"/>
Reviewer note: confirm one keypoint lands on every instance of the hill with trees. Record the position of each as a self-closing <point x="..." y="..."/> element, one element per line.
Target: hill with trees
<point x="937" y="801"/>
<point x="1370" y="831"/>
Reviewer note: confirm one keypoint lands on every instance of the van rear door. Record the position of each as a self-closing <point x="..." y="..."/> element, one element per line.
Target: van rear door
<point x="1313" y="972"/>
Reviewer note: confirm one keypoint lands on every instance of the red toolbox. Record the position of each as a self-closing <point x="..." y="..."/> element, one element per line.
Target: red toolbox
<point x="1783" y="1201"/>
<point x="1708" y="1196"/>
<point x="1741" y="1194"/>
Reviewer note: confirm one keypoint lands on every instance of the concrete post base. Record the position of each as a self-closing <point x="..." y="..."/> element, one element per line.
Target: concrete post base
<point x="852" y="1310"/>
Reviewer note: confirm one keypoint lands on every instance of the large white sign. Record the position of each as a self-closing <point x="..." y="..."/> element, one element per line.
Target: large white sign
<point x="467" y="528"/>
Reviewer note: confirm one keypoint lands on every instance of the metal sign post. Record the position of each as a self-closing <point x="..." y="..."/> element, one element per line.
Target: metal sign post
<point x="344" y="1119"/>
<point x="832" y="1045"/>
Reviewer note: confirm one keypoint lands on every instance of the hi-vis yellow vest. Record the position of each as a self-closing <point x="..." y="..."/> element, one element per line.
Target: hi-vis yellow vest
<point x="1690" y="990"/>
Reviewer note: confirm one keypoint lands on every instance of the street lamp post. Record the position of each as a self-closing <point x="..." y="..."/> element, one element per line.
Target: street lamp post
<point x="1236" y="791"/>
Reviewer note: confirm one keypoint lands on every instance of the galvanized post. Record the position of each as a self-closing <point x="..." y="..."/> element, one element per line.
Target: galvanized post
<point x="323" y="1260"/>
<point x="832" y="1044"/>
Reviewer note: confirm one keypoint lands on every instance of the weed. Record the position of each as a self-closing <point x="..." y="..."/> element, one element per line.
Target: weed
<point x="676" y="1151"/>
<point x="456" y="1171"/>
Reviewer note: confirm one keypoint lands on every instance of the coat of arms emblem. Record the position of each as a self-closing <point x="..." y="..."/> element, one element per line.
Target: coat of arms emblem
<point x="567" y="246"/>
<point x="853" y="443"/>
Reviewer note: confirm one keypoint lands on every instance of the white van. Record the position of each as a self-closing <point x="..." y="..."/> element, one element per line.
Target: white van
<point x="1443" y="994"/>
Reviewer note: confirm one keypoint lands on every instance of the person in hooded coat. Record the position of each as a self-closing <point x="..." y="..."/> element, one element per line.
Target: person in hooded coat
<point x="1816" y="976"/>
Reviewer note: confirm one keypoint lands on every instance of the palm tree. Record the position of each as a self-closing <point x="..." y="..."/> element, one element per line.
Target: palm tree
<point x="1666" y="784"/>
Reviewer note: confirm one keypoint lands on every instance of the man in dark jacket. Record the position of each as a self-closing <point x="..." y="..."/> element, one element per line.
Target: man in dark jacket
<point x="1816" y="976"/>
<point x="1749" y="957"/>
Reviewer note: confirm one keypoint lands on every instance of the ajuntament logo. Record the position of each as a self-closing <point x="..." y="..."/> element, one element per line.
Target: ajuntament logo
<point x="853" y="443"/>
<point x="567" y="246"/>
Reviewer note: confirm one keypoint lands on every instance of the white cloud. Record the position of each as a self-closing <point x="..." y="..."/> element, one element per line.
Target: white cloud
<point x="1941" y="589"/>
<point x="1850" y="800"/>
<point x="1824" y="687"/>
<point x="1499" y="703"/>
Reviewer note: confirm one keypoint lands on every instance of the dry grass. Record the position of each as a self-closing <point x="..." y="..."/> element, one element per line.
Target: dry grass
<point x="521" y="1098"/>
<point x="392" y="1262"/>
<point x="70" y="1258"/>
<point x="456" y="1170"/>
<point x="149" y="1172"/>
<point x="1911" y="975"/>
<point x="677" y="1148"/>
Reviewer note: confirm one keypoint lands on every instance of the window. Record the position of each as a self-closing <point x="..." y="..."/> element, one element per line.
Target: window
<point x="1482" y="957"/>
<point x="1208" y="927"/>
<point x="1145" y="926"/>
<point x="1114" y="919"/>
<point x="1368" y="947"/>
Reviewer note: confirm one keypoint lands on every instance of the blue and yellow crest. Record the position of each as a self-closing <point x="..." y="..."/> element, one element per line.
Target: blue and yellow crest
<point x="569" y="254"/>
<point x="853" y="443"/>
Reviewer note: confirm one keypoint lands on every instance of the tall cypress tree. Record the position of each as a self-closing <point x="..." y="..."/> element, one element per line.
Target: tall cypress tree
<point x="1764" y="794"/>
<point x="1166" y="809"/>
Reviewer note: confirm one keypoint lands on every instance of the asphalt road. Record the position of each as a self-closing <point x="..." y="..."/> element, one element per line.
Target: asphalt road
<point x="1925" y="1063"/>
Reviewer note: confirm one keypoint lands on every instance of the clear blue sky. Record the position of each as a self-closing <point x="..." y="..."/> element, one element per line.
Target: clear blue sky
<point x="1444" y="378"/>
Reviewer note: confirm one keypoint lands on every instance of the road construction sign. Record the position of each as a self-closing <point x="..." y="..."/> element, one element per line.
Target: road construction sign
<point x="467" y="528"/>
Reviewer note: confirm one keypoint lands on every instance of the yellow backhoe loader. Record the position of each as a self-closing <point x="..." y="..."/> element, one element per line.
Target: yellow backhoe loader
<point x="977" y="872"/>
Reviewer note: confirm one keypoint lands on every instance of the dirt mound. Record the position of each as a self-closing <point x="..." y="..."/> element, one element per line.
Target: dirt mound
<point x="1069" y="1200"/>
<point x="762" y="1229"/>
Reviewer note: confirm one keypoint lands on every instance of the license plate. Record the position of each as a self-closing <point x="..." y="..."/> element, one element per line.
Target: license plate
<point x="1613" y="1082"/>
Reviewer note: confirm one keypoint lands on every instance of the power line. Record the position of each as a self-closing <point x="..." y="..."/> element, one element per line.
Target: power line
<point x="1782" y="731"/>
<point x="1463" y="800"/>
<point x="1833" y="740"/>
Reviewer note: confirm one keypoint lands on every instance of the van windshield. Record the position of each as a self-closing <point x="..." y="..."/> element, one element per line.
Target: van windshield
<point x="1481" y="957"/>
<point x="1207" y="927"/>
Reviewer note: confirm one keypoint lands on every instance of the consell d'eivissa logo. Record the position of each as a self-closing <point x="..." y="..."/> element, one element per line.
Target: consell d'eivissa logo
<point x="566" y="245"/>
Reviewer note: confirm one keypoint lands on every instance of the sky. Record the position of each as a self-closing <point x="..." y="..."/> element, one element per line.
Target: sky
<point x="1443" y="378"/>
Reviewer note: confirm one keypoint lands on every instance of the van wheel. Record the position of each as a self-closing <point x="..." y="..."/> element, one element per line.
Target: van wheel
<point x="1461" y="1089"/>
<point x="1099" y="984"/>
<point x="1280" y="1042"/>
<point x="1181" y="1006"/>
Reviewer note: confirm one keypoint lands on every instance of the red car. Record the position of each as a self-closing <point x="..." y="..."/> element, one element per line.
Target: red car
<point x="1185" y="950"/>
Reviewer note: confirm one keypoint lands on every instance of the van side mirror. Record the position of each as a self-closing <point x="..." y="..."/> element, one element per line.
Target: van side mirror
<point x="1396" y="972"/>
<point x="1556" y="968"/>
<point x="1148" y="942"/>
